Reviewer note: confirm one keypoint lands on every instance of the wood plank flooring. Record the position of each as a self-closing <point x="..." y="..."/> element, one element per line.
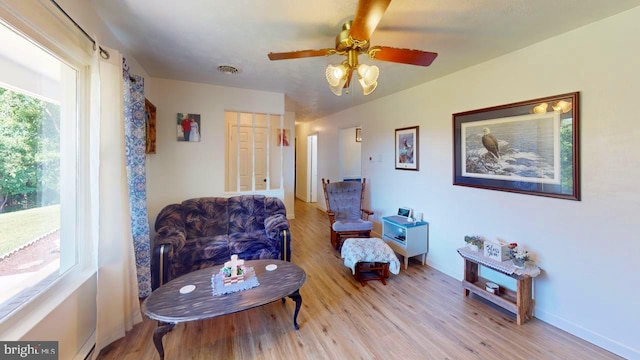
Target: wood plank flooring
<point x="420" y="314"/>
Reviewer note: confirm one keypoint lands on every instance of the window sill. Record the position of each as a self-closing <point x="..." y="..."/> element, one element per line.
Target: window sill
<point x="17" y="325"/>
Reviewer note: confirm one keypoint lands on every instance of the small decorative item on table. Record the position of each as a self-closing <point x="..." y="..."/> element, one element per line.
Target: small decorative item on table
<point x="496" y="251"/>
<point x="233" y="277"/>
<point x="474" y="243"/>
<point x="233" y="271"/>
<point x="519" y="255"/>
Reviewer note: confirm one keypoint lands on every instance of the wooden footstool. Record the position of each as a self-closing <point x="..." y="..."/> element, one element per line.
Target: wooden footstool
<point x="369" y="259"/>
<point x="366" y="271"/>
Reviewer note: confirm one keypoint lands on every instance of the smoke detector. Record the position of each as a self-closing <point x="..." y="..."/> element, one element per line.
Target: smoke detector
<point x="228" y="69"/>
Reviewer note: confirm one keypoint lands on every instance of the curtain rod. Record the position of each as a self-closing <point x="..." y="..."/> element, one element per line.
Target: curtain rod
<point x="103" y="53"/>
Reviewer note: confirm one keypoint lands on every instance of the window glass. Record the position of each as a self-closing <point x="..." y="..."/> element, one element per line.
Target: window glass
<point x="38" y="167"/>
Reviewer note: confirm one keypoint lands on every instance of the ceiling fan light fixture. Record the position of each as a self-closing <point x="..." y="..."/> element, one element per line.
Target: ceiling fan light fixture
<point x="337" y="77"/>
<point x="366" y="90"/>
<point x="368" y="75"/>
<point x="337" y="90"/>
<point x="335" y="74"/>
<point x="368" y="78"/>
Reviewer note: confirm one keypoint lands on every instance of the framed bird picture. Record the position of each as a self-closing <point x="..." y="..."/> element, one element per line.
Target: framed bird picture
<point x="530" y="147"/>
<point x="407" y="148"/>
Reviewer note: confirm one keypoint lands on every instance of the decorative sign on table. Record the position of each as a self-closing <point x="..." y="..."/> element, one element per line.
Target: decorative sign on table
<point x="496" y="251"/>
<point x="233" y="271"/>
<point x="233" y="277"/>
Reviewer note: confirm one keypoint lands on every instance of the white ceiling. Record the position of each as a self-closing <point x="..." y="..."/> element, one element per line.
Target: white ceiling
<point x="189" y="39"/>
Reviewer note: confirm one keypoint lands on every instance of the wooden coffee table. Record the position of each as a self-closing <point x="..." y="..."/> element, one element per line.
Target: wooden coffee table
<point x="169" y="307"/>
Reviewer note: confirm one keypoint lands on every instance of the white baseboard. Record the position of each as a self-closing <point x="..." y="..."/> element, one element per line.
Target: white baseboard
<point x="86" y="351"/>
<point x="588" y="335"/>
<point x="563" y="324"/>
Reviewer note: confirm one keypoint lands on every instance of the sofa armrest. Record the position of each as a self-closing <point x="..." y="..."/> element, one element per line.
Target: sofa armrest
<point x="168" y="242"/>
<point x="160" y="265"/>
<point x="275" y="224"/>
<point x="277" y="227"/>
<point x="171" y="235"/>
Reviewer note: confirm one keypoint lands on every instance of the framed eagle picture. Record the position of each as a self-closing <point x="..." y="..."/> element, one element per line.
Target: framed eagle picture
<point x="530" y="147"/>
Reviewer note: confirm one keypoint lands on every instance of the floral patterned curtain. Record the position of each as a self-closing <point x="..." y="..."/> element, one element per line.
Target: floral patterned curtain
<point x="135" y="140"/>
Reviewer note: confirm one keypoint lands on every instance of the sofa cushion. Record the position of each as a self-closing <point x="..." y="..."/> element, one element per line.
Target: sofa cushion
<point x="205" y="217"/>
<point x="253" y="245"/>
<point x="246" y="213"/>
<point x="214" y="249"/>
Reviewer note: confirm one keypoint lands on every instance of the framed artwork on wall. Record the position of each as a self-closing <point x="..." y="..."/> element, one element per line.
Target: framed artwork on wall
<point x="188" y="127"/>
<point x="529" y="147"/>
<point x="150" y="118"/>
<point x="282" y="137"/>
<point x="407" y="148"/>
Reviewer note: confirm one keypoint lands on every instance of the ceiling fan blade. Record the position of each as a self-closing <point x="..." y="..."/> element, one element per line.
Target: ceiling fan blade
<point x="404" y="56"/>
<point x="300" y="54"/>
<point x="367" y="18"/>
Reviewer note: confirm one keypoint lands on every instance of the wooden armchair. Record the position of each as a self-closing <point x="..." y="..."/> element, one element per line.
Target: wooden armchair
<point x="347" y="218"/>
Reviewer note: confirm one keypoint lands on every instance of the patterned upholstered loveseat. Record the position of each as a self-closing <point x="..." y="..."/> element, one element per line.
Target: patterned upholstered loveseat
<point x="203" y="232"/>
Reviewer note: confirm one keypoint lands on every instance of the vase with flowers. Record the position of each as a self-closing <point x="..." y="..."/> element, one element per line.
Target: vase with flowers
<point x="519" y="255"/>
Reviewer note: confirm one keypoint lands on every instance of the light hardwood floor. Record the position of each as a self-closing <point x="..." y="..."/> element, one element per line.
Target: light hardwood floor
<point x="420" y="314"/>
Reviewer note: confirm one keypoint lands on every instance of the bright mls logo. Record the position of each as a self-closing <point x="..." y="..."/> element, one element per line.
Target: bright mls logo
<point x="41" y="350"/>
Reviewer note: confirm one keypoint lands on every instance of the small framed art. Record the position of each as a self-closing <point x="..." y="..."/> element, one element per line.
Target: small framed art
<point x="407" y="148"/>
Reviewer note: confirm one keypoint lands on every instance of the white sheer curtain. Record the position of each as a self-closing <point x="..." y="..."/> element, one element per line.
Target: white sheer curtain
<point x="118" y="307"/>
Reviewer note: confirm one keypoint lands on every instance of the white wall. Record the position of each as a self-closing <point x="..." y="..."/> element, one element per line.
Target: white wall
<point x="586" y="248"/>
<point x="182" y="170"/>
<point x="350" y="157"/>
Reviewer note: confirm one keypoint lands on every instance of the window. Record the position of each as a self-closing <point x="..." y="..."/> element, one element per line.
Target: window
<point x="255" y="144"/>
<point x="39" y="168"/>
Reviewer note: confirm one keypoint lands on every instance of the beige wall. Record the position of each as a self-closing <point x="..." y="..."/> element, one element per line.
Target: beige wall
<point x="587" y="248"/>
<point x="350" y="154"/>
<point x="183" y="170"/>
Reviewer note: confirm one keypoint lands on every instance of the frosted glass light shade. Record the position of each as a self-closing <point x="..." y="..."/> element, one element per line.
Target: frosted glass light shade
<point x="366" y="90"/>
<point x="335" y="73"/>
<point x="336" y="77"/>
<point x="368" y="75"/>
<point x="368" y="78"/>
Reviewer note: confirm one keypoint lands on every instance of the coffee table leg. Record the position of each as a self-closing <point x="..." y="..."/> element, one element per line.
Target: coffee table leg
<point x="162" y="329"/>
<point x="298" y="299"/>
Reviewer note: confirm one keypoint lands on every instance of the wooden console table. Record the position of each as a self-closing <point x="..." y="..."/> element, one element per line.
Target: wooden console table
<point x="519" y="302"/>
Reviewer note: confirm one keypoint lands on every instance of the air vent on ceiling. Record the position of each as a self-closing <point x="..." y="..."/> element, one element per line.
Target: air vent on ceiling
<point x="228" y="69"/>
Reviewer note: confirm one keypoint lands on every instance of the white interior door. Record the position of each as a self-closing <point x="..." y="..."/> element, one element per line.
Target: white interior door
<point x="260" y="172"/>
<point x="241" y="150"/>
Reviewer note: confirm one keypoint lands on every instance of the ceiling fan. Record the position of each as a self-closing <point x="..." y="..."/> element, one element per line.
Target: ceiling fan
<point x="353" y="41"/>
